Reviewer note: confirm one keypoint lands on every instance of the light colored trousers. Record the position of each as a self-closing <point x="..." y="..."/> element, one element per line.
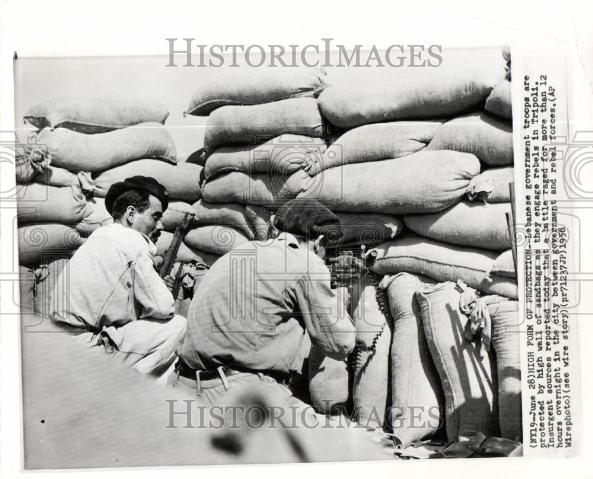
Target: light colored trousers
<point x="247" y="390"/>
<point x="148" y="346"/>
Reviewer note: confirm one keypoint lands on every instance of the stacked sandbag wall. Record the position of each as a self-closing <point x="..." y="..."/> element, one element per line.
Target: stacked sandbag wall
<point x="425" y="150"/>
<point x="77" y="148"/>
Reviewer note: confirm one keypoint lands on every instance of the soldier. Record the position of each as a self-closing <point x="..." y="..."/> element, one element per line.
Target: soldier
<point x="252" y="316"/>
<point x="112" y="293"/>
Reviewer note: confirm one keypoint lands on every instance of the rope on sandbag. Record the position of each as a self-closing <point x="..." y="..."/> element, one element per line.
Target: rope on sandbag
<point x="475" y="307"/>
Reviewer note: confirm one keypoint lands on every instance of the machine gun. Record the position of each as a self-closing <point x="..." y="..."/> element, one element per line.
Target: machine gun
<point x="171" y="255"/>
<point x="346" y="266"/>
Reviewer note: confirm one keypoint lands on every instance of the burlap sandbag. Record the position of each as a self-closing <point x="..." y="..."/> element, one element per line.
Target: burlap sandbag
<point x="441" y="262"/>
<point x="96" y="217"/>
<point x="357" y="96"/>
<point x="95" y="114"/>
<point x="54" y="176"/>
<point x="417" y="397"/>
<point x="424" y="182"/>
<point x="328" y="382"/>
<point x="26" y="299"/>
<point x="229" y="214"/>
<point x="251" y="125"/>
<point x="478" y="225"/>
<point x="376" y="142"/>
<point x="232" y="86"/>
<point x="284" y="154"/>
<point x="29" y="162"/>
<point x="504" y="265"/>
<point x="185" y="254"/>
<point x="370" y="358"/>
<point x="463" y="366"/>
<point x="369" y="228"/>
<point x="500" y="101"/>
<point x="483" y="135"/>
<point x="506" y="343"/>
<point x="182" y="181"/>
<point x="259" y="217"/>
<point x="492" y="185"/>
<point x="81" y="152"/>
<point x="39" y="242"/>
<point x="47" y="276"/>
<point x="49" y="204"/>
<point x="214" y="239"/>
<point x="257" y="188"/>
<point x="188" y="137"/>
<point x="174" y="214"/>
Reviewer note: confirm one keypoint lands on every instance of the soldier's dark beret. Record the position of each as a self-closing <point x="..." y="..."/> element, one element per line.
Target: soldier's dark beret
<point x="145" y="183"/>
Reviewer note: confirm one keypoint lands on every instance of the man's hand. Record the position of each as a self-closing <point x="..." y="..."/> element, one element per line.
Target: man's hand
<point x="169" y="282"/>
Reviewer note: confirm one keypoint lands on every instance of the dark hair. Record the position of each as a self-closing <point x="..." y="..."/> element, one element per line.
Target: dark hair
<point x="137" y="198"/>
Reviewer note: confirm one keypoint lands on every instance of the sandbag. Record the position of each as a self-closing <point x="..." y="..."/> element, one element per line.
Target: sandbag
<point x="233" y="215"/>
<point x="506" y="343"/>
<point x="257" y="188"/>
<point x="328" y="382"/>
<point x="188" y="137"/>
<point x="96" y="217"/>
<point x="463" y="367"/>
<point x="417" y="397"/>
<point x="47" y="276"/>
<point x="81" y="152"/>
<point x="94" y="114"/>
<point x="48" y="204"/>
<point x="504" y="265"/>
<point x="492" y="185"/>
<point x="375" y="142"/>
<point x="28" y="163"/>
<point x="38" y="243"/>
<point x="368" y="229"/>
<point x="26" y="290"/>
<point x="213" y="239"/>
<point x="423" y="182"/>
<point x="253" y="124"/>
<point x="55" y="176"/>
<point x="182" y="181"/>
<point x="506" y="54"/>
<point x="490" y="139"/>
<point x="232" y="86"/>
<point x="463" y="80"/>
<point x="500" y="101"/>
<point x="259" y="218"/>
<point x="440" y="262"/>
<point x="174" y="214"/>
<point x="185" y="254"/>
<point x="370" y="358"/>
<point x="284" y="154"/>
<point x="478" y="225"/>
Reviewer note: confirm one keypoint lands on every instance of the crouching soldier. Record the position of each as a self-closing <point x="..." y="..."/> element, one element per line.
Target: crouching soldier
<point x="110" y="290"/>
<point x="255" y="311"/>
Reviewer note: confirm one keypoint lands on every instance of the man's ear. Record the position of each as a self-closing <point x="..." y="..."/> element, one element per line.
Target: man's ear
<point x="129" y="215"/>
<point x="317" y="246"/>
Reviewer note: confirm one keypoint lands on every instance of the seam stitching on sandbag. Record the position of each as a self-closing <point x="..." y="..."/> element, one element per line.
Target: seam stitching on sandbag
<point x="445" y="371"/>
<point x="429" y="261"/>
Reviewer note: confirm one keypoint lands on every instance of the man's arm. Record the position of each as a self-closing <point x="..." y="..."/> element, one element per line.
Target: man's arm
<point x="151" y="291"/>
<point x="324" y="312"/>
